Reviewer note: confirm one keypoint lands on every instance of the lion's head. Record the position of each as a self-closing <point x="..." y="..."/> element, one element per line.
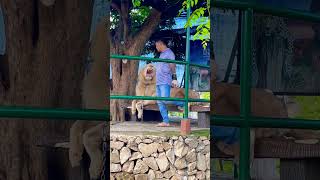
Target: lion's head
<point x="148" y="72"/>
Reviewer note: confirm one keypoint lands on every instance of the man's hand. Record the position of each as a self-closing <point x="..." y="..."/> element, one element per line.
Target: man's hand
<point x="174" y="83"/>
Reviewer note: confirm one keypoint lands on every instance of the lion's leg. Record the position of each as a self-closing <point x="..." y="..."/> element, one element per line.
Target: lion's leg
<point x="139" y="107"/>
<point x="92" y="140"/>
<point x="133" y="107"/>
<point x="76" y="145"/>
<point x="149" y="102"/>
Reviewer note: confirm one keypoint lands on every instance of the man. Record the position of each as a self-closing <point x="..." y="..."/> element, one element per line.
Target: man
<point x="165" y="78"/>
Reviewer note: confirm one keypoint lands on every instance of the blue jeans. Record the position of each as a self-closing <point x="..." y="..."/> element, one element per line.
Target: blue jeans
<point x="164" y="91"/>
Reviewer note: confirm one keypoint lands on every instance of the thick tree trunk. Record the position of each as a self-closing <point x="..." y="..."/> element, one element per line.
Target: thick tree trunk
<point x="124" y="75"/>
<point x="46" y="49"/>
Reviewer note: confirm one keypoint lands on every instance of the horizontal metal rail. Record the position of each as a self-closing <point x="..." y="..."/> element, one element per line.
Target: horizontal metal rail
<point x="289" y="13"/>
<point x="155" y="98"/>
<point x="265" y="122"/>
<point x="116" y="56"/>
<point x="46" y="113"/>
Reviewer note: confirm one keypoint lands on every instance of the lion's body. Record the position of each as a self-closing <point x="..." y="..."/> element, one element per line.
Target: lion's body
<point x="87" y="135"/>
<point x="263" y="104"/>
<point x="147" y="87"/>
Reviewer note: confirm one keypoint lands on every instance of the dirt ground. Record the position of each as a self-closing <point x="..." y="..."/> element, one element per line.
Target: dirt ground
<point x="147" y="128"/>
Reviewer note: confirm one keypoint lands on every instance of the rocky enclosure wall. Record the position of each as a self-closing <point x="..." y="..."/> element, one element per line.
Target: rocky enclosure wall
<point x="151" y="157"/>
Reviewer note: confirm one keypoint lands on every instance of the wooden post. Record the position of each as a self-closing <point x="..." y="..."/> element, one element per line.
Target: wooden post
<point x="185" y="127"/>
<point x="203" y="119"/>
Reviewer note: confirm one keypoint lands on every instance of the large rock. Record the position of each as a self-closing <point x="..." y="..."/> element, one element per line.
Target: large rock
<point x="206" y="150"/>
<point x="138" y="140"/>
<point x="151" y="162"/>
<point x="208" y="160"/>
<point x="133" y="145"/>
<point x="201" y="162"/>
<point x="208" y="174"/>
<point x="148" y="149"/>
<point x="151" y="175"/>
<point x="181" y="138"/>
<point x="160" y="148"/>
<point x="175" y="138"/>
<point x="140" y="167"/>
<point x="180" y="163"/>
<point x="115" y="168"/>
<point x="178" y="148"/>
<point x="125" y="154"/>
<point x="115" y="156"/>
<point x="192" y="178"/>
<point x="123" y="139"/>
<point x="124" y="175"/>
<point x="116" y="145"/>
<point x="166" y="146"/>
<point x="194" y="172"/>
<point x="206" y="142"/>
<point x="141" y="177"/>
<point x="182" y="172"/>
<point x="128" y="167"/>
<point x="135" y="155"/>
<point x="162" y="162"/>
<point x="147" y="141"/>
<point x="177" y="177"/>
<point x="191" y="156"/>
<point x="155" y="155"/>
<point x="201" y="175"/>
<point x="170" y="156"/>
<point x="111" y="177"/>
<point x="168" y="174"/>
<point x="159" y="175"/>
<point x="185" y="151"/>
<point x="191" y="142"/>
<point x="192" y="166"/>
<point x="200" y="147"/>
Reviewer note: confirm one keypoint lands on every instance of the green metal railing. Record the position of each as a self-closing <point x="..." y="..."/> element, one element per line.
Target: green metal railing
<point x="187" y="64"/>
<point x="245" y="121"/>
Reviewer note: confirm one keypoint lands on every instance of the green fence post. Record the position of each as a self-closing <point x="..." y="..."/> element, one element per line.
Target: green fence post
<point x="186" y="96"/>
<point x="245" y="107"/>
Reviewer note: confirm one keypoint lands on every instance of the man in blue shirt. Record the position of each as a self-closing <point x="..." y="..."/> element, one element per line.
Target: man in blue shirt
<point x="165" y="78"/>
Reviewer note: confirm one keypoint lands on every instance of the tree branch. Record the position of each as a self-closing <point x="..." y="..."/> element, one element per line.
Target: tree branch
<point x="115" y="6"/>
<point x="146" y="30"/>
<point x="124" y="15"/>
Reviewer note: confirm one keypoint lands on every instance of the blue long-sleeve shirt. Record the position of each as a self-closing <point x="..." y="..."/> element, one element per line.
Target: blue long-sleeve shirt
<point x="163" y="71"/>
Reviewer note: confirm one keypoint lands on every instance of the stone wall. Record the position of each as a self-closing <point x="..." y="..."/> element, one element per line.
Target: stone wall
<point x="152" y="157"/>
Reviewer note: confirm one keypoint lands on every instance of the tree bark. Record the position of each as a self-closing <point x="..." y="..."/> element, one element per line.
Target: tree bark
<point x="46" y="50"/>
<point x="124" y="74"/>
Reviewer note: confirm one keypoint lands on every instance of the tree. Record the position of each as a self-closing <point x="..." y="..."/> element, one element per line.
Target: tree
<point x="129" y="38"/>
<point x="201" y="10"/>
<point x="46" y="49"/>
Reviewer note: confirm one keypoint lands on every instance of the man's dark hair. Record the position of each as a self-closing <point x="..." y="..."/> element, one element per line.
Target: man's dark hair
<point x="164" y="41"/>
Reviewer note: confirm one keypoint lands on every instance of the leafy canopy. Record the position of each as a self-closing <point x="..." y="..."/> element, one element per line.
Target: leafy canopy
<point x="197" y="18"/>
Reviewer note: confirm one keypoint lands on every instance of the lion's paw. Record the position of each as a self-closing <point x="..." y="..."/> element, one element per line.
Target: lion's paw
<point x="75" y="158"/>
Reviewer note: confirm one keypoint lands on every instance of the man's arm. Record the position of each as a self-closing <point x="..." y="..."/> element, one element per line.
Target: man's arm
<point x="172" y="68"/>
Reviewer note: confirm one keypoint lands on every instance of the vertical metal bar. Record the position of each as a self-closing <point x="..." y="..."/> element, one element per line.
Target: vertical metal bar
<point x="186" y="97"/>
<point x="246" y="55"/>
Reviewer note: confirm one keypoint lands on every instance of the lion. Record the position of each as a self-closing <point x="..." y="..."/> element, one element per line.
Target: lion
<point x="88" y="135"/>
<point x="146" y="86"/>
<point x="226" y="100"/>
